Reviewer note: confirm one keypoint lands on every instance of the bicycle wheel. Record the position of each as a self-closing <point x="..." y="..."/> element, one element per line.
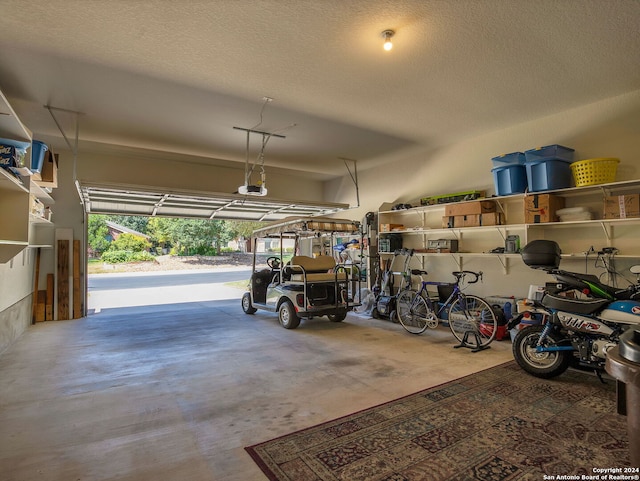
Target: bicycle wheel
<point x="412" y="312"/>
<point x="472" y="321"/>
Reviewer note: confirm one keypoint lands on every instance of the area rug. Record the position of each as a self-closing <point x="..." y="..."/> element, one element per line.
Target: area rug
<point x="498" y="424"/>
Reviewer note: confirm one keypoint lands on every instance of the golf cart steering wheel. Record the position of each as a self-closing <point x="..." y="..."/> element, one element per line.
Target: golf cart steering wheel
<point x="273" y="262"/>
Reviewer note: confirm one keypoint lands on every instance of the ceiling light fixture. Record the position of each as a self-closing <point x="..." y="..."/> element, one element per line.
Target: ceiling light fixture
<point x="387" y="34"/>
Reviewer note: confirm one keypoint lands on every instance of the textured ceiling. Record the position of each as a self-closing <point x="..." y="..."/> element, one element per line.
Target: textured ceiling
<point x="177" y="76"/>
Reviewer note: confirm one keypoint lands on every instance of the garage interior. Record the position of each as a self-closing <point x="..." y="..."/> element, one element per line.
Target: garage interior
<point x="157" y="108"/>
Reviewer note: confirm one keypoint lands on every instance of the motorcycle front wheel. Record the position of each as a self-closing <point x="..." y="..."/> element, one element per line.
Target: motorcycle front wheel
<point x="540" y="364"/>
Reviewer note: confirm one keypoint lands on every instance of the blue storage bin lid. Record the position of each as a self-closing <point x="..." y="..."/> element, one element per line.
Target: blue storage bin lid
<point x="549" y="152"/>
<point x="513" y="158"/>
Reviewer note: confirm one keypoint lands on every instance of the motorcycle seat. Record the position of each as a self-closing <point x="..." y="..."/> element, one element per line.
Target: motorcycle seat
<point x="577" y="306"/>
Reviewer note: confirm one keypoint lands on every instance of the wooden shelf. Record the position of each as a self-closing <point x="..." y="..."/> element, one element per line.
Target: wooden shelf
<point x="34" y="219"/>
<point x="14" y="195"/>
<point x="454" y="230"/>
<point x="423" y="223"/>
<point x="10" y="125"/>
<point x="41" y="194"/>
<point x="9" y="182"/>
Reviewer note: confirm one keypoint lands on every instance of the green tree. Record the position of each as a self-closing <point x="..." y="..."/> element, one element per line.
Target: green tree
<point x="243" y="228"/>
<point x="137" y="223"/>
<point x="97" y="232"/>
<point x="190" y="236"/>
<point x="159" y="231"/>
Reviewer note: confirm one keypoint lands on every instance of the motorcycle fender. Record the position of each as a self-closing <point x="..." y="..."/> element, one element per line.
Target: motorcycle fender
<point x="578" y="323"/>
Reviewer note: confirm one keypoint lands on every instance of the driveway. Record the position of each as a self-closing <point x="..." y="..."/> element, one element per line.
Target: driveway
<point x="170" y="287"/>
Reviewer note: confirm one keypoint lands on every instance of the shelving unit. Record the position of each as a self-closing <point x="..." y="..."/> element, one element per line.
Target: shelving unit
<point x="15" y="191"/>
<point x="577" y="237"/>
<point x="423" y="223"/>
<point x="14" y="196"/>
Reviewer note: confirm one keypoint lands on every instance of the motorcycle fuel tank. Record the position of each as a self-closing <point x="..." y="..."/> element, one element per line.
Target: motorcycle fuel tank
<point x="623" y="312"/>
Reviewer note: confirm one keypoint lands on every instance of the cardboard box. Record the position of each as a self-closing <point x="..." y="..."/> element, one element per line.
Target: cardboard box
<point x="451" y="221"/>
<point x="48" y="176"/>
<point x="622" y="206"/>
<point x="540" y="208"/>
<point x="470" y="208"/>
<point x="391" y="227"/>
<point x="491" y="218"/>
<point x="474" y="220"/>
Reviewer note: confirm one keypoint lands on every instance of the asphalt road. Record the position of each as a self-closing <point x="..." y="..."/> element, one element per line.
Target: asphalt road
<point x="154" y="288"/>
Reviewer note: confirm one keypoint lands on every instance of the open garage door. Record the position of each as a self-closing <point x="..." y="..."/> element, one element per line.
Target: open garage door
<point x="136" y="200"/>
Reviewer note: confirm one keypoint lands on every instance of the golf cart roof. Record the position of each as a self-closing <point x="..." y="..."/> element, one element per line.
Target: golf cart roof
<point x="308" y="226"/>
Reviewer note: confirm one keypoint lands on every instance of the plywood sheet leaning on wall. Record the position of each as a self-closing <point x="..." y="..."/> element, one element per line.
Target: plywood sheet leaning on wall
<point x="48" y="308"/>
<point x="77" y="304"/>
<point x="63" y="301"/>
<point x="35" y="298"/>
<point x="40" y="306"/>
<point x="63" y="279"/>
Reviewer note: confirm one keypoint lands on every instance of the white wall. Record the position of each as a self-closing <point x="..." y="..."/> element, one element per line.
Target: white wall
<point x="16" y="285"/>
<point x="188" y="175"/>
<point x="609" y="128"/>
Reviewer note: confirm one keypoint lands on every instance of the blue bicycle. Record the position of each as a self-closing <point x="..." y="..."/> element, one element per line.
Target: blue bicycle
<point x="471" y="319"/>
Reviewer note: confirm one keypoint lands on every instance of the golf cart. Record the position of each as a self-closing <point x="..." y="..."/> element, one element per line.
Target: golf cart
<point x="305" y="286"/>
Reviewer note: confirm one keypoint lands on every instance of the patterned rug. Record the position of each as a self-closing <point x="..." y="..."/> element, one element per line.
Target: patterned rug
<point x="498" y="424"/>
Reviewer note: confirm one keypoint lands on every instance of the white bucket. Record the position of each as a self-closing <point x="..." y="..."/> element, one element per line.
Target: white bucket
<point x="536" y="292"/>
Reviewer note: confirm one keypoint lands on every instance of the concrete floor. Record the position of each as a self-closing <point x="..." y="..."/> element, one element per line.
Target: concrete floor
<point x="175" y="392"/>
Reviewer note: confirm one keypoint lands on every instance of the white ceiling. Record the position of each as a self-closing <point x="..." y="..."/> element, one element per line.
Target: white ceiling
<point x="177" y="76"/>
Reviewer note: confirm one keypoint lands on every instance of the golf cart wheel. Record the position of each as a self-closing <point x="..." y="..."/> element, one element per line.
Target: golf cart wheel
<point x="247" y="307"/>
<point x="287" y="315"/>
<point x="338" y="316"/>
<point x="375" y="313"/>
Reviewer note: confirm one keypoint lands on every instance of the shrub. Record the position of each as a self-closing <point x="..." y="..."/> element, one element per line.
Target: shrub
<point x="118" y="257"/>
<point x="130" y="242"/>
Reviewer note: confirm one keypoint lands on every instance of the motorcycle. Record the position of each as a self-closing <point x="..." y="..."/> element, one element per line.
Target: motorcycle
<point x="578" y="331"/>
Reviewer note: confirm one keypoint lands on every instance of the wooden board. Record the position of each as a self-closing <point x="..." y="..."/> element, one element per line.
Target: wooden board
<point x="64" y="234"/>
<point x="36" y="276"/>
<point x="63" y="280"/>
<point x="41" y="299"/>
<point x="77" y="299"/>
<point x="48" y="308"/>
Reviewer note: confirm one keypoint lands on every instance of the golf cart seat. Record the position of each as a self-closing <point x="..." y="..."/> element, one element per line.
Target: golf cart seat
<point x="313" y="269"/>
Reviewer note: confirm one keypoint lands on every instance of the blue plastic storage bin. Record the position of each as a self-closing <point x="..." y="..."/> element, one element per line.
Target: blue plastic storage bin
<point x="510" y="179"/>
<point x="513" y="158"/>
<point x="38" y="150"/>
<point x="548" y="175"/>
<point x="550" y="152"/>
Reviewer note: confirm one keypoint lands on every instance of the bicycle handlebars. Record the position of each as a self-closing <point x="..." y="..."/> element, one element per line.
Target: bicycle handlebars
<point x="459" y="275"/>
